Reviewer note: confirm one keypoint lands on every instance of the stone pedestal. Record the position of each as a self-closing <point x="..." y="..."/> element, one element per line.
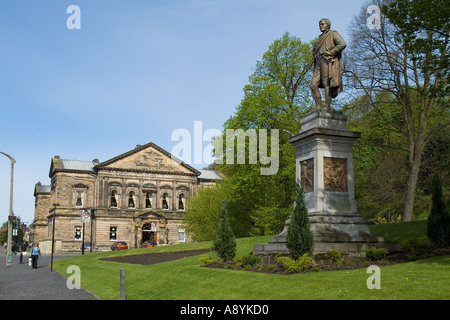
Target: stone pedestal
<point x="324" y="164"/>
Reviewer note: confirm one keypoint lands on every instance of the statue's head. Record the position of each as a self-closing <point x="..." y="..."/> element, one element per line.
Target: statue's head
<point x="324" y="24"/>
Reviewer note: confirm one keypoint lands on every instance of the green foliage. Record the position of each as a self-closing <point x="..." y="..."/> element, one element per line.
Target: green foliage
<point x="401" y="232"/>
<point x="187" y="279"/>
<point x="203" y="213"/>
<point x="270" y="268"/>
<point x="439" y="219"/>
<point x="375" y="254"/>
<point x="379" y="159"/>
<point x="423" y="26"/>
<point x="292" y="266"/>
<point x="14" y="225"/>
<point x="269" y="220"/>
<point x="332" y="256"/>
<point x="278" y="90"/>
<point x="413" y="40"/>
<point x="299" y="237"/>
<point x="436" y="161"/>
<point x="410" y="245"/>
<point x="247" y="260"/>
<point x="335" y="256"/>
<point x="224" y="243"/>
<point x="207" y="260"/>
<point x="275" y="98"/>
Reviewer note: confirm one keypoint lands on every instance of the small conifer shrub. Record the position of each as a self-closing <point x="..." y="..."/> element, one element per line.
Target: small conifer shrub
<point x="299" y="238"/>
<point x="224" y="243"/>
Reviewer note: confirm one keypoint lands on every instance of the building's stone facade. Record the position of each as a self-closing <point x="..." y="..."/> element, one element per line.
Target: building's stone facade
<point x="137" y="196"/>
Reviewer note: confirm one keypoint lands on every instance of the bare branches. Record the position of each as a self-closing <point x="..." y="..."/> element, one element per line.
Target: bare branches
<point x="408" y="60"/>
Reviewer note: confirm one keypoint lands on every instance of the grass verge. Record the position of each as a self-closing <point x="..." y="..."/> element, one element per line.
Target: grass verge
<point x="186" y="279"/>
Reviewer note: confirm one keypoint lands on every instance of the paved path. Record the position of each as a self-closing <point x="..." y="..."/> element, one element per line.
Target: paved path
<point x="20" y="282"/>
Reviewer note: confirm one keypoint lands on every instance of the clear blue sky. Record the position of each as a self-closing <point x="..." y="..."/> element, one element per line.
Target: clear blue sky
<point x="136" y="71"/>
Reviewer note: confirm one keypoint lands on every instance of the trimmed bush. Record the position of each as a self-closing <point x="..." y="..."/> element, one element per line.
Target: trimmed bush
<point x="335" y="256"/>
<point x="207" y="260"/>
<point x="250" y="260"/>
<point x="293" y="266"/>
<point x="332" y="256"/>
<point x="374" y="254"/>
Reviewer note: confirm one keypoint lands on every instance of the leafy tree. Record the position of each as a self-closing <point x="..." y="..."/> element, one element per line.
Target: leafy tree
<point x="437" y="161"/>
<point x="423" y="27"/>
<point x="299" y="237"/>
<point x="407" y="57"/>
<point x="4" y="234"/>
<point x="380" y="165"/>
<point x="203" y="213"/>
<point x="224" y="243"/>
<point x="275" y="98"/>
<point x="439" y="219"/>
<point x="278" y="92"/>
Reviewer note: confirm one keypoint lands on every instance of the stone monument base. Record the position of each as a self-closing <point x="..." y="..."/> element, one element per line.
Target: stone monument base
<point x="268" y="252"/>
<point x="349" y="235"/>
<point x="324" y="165"/>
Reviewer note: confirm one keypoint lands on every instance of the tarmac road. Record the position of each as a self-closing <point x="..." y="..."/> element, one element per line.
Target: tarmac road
<point x="20" y="282"/>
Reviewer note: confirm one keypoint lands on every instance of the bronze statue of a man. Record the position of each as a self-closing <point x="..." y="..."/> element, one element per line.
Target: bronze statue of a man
<point x="327" y="72"/>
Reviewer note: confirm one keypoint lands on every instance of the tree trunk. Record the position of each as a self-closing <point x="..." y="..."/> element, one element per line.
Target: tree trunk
<point x="408" y="211"/>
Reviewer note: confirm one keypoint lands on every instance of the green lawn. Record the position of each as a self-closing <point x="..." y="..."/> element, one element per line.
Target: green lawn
<point x="401" y="232"/>
<point x="187" y="279"/>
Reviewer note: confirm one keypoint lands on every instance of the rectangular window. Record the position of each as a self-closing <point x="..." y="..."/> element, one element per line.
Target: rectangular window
<point x="112" y="233"/>
<point x="79" y="198"/>
<point x="78" y="233"/>
<point x="181" y="235"/>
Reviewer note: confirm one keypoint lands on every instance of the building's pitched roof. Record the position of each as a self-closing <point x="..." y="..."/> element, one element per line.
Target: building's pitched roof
<point x="65" y="165"/>
<point x="209" y="175"/>
<point x="41" y="189"/>
<point x="110" y="164"/>
<point x="59" y="164"/>
<point x="77" y="165"/>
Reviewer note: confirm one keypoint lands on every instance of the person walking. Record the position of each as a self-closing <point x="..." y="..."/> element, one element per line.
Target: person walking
<point x="35" y="253"/>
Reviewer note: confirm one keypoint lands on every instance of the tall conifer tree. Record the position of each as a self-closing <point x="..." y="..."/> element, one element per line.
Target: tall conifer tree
<point x="224" y="243"/>
<point x="439" y="219"/>
<point x="299" y="237"/>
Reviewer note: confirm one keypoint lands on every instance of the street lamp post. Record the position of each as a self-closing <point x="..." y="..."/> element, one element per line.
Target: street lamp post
<point x="53" y="234"/>
<point x="8" y="252"/>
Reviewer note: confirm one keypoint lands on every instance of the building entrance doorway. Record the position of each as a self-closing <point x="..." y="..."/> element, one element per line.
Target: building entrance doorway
<point x="148" y="236"/>
<point x="149" y="233"/>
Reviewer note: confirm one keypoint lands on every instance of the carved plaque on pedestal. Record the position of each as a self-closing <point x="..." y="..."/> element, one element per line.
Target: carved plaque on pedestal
<point x="307" y="175"/>
<point x="335" y="174"/>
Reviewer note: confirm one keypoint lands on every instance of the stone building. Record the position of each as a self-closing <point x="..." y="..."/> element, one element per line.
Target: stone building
<point x="137" y="196"/>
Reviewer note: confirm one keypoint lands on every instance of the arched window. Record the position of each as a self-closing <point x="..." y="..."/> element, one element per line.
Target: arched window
<point x="165" y="201"/>
<point x="114" y="199"/>
<point x="181" y="202"/>
<point x="148" y="200"/>
<point x="131" y="200"/>
<point x="79" y="197"/>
